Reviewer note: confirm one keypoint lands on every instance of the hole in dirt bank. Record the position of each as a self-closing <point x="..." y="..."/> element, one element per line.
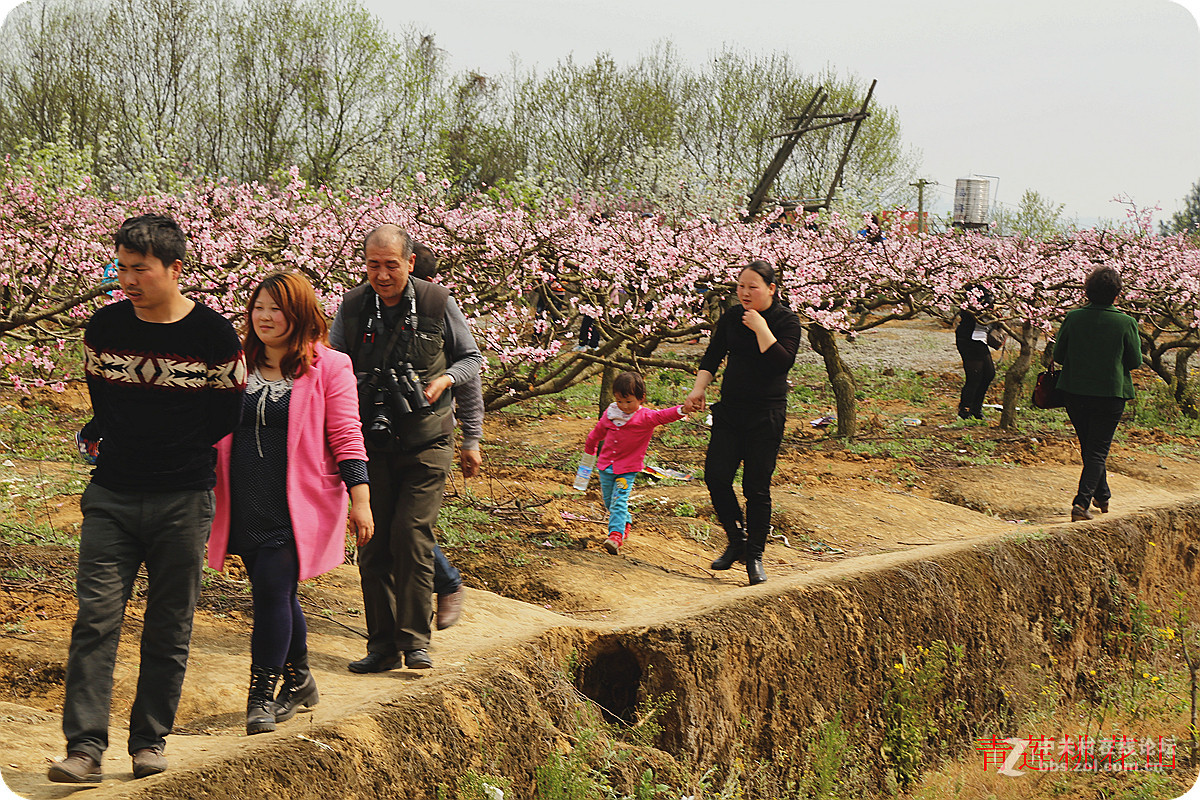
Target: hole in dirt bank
<point x="611" y="677"/>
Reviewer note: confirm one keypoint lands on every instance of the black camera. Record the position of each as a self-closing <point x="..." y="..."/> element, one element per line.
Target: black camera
<point x="388" y="395"/>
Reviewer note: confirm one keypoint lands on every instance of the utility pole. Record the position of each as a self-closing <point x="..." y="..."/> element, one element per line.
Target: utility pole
<point x="921" y="184"/>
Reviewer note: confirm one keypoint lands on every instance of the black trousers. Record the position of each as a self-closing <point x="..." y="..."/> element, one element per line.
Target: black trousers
<point x="589" y="332"/>
<point x="979" y="372"/>
<point x="1095" y="420"/>
<point x="751" y="441"/>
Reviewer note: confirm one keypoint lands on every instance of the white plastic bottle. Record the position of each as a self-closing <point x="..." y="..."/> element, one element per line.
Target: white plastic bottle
<point x="584" y="474"/>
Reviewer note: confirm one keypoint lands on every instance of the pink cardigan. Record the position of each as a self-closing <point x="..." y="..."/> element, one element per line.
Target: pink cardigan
<point x="625" y="447"/>
<point x="323" y="429"/>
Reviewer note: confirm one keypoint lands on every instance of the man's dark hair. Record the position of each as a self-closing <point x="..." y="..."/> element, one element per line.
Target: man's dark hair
<point x="153" y="235"/>
<point x="426" y="265"/>
<point x="630" y="384"/>
<point x="1102" y="286"/>
<point x="764" y="270"/>
<point x="388" y="233"/>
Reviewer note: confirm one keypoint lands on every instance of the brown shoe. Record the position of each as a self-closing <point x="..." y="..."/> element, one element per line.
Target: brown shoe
<point x="1079" y="514"/>
<point x="449" y="608"/>
<point x="75" y="768"/>
<point x="149" y="761"/>
<point x="1101" y="507"/>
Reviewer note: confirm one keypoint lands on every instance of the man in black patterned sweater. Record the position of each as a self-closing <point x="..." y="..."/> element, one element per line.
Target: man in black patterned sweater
<point x="166" y="376"/>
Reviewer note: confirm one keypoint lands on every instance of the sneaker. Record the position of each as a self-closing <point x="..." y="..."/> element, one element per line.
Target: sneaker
<point x="614" y="541"/>
<point x="149" y="761"/>
<point x="75" y="768"/>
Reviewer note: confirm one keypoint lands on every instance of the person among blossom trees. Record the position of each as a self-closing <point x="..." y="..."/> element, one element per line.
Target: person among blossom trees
<point x="468" y="411"/>
<point x="622" y="435"/>
<point x="757" y="339"/>
<point x="972" y="338"/>
<point x="278" y="503"/>
<point x="166" y="376"/>
<point x="410" y="345"/>
<point x="1098" y="346"/>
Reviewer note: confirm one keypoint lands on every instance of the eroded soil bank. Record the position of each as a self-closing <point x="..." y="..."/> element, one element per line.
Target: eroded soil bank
<point x="751" y="677"/>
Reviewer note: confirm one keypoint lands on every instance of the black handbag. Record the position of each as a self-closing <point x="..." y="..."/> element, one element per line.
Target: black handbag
<point x="1046" y="393"/>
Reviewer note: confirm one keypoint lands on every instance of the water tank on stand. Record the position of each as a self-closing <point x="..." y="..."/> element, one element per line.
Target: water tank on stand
<point x="971" y="202"/>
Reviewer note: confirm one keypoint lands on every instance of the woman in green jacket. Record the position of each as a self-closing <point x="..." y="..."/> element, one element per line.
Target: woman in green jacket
<point x="1097" y="346"/>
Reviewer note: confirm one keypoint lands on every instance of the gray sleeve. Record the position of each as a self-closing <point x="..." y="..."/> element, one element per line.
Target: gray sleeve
<point x="468" y="408"/>
<point x="461" y="351"/>
<point x="337" y="332"/>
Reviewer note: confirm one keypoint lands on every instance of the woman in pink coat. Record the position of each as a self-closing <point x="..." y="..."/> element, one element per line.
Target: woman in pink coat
<point x="282" y="480"/>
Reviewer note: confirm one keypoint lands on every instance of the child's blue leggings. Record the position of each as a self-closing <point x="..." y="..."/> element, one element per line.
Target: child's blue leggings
<point x="616" y="490"/>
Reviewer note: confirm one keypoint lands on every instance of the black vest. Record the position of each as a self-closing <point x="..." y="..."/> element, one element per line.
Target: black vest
<point x="421" y="344"/>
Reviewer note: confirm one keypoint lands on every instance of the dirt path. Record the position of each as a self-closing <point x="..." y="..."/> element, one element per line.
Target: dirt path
<point x="839" y="512"/>
<point x="658" y="576"/>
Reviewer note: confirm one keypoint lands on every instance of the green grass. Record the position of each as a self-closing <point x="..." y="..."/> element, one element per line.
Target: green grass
<point x="903" y="384"/>
<point x="38" y="431"/>
<point x="464" y="525"/>
<point x="1156" y="408"/>
<point x="31" y="532"/>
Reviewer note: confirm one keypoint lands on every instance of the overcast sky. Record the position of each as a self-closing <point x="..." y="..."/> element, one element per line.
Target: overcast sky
<point x="1080" y="100"/>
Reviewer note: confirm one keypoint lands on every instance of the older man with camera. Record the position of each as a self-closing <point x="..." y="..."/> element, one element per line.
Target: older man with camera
<point x="410" y="343"/>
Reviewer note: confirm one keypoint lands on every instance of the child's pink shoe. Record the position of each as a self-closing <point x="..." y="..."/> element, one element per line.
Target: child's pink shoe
<point x="614" y="541"/>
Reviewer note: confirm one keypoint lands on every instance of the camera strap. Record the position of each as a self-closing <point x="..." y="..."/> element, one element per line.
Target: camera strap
<point x="403" y="327"/>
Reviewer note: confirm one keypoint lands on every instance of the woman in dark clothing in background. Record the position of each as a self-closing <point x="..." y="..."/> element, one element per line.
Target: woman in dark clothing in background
<point x="760" y="336"/>
<point x="1098" y="346"/>
<point x="971" y="337"/>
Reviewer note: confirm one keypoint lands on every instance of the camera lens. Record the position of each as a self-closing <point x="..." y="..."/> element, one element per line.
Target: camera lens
<point x="379" y="432"/>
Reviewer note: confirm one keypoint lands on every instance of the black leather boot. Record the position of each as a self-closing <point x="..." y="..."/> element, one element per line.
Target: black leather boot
<point x="755" y="545"/>
<point x="734" y="552"/>
<point x="260" y="705"/>
<point x="298" y="688"/>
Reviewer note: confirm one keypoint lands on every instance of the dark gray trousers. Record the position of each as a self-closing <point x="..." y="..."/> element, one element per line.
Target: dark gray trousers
<point x="167" y="532"/>
<point x="396" y="566"/>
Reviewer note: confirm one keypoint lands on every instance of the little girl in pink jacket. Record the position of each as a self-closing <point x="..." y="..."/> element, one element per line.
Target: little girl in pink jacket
<point x="625" y="428"/>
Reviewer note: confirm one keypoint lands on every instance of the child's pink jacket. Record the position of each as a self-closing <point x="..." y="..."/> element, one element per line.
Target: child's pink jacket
<point x="625" y="447"/>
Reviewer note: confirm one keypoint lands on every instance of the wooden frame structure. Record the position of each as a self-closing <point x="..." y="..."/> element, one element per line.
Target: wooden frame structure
<point x="809" y="119"/>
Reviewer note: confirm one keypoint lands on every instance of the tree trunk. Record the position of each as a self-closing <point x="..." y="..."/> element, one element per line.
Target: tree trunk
<point x="840" y="378"/>
<point x="606" y="393"/>
<point x="1184" y="395"/>
<point x="1014" y="376"/>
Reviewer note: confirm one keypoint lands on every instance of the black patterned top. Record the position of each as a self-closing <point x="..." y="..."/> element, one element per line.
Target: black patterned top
<point x="259" y="514"/>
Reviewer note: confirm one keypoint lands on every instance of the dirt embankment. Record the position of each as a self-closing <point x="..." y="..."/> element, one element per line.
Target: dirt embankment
<point x="878" y="551"/>
<point x="750" y="676"/>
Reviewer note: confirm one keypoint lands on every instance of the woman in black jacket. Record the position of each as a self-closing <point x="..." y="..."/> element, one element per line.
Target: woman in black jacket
<point x="760" y="337"/>
<point x="971" y="337"/>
